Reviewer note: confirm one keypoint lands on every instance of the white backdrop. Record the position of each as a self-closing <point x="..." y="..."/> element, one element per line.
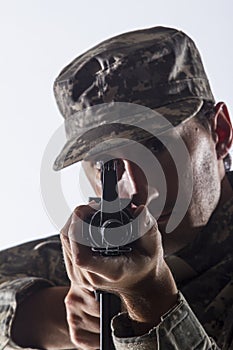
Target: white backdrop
<point x="40" y="37"/>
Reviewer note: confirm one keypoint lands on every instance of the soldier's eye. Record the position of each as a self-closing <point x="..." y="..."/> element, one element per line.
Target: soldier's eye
<point x="98" y="164"/>
<point x="101" y="160"/>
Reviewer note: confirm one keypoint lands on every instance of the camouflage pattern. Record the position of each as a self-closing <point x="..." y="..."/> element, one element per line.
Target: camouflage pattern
<point x="25" y="269"/>
<point x="207" y="285"/>
<point x="179" y="329"/>
<point x="159" y="68"/>
<point x="204" y="275"/>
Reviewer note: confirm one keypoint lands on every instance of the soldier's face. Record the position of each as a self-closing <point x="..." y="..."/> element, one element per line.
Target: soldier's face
<point x="145" y="186"/>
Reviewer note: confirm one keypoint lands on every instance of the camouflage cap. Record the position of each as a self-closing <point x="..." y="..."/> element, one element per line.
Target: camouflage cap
<point x="159" y="68"/>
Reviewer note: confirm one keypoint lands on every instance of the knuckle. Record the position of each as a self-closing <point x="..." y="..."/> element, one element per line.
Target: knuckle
<point x="73" y="232"/>
<point x="75" y="216"/>
<point x="80" y="211"/>
<point x="72" y="299"/>
<point x="74" y="321"/>
<point x="68" y="300"/>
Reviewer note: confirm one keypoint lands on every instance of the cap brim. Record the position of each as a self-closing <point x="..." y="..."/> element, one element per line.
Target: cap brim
<point x="109" y="136"/>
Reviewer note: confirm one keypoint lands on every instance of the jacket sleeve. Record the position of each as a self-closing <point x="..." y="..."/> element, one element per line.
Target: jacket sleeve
<point x="178" y="329"/>
<point x="24" y="270"/>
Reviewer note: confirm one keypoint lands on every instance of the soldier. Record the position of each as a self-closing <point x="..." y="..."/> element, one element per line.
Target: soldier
<point x="141" y="91"/>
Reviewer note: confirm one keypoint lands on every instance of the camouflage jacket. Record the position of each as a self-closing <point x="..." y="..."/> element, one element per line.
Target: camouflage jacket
<point x="204" y="274"/>
<point x="203" y="271"/>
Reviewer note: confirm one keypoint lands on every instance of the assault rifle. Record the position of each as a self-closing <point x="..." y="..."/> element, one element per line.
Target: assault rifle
<point x="110" y="229"/>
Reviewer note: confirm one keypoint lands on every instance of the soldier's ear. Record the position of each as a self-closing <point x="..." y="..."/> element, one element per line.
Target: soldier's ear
<point x="222" y="129"/>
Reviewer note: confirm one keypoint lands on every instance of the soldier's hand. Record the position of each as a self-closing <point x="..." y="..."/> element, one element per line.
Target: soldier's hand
<point x="141" y="277"/>
<point x="83" y="311"/>
<point x="83" y="317"/>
